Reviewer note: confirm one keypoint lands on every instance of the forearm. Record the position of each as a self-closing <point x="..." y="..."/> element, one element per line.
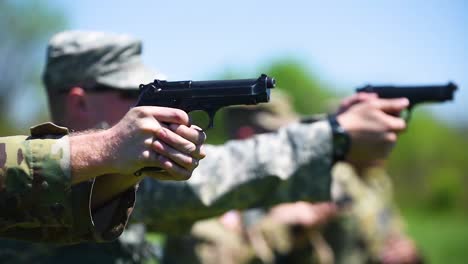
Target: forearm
<point x="292" y="164"/>
<point x="112" y="194"/>
<point x="89" y="156"/>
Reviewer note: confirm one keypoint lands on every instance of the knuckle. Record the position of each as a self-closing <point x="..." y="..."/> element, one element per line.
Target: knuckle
<point x="202" y="152"/>
<point x="189" y="163"/>
<point x="202" y="137"/>
<point x="196" y="128"/>
<point x="139" y="111"/>
<point x="374" y="103"/>
<point x="195" y="163"/>
<point x="158" y="146"/>
<point x="398" y="125"/>
<point x="146" y="155"/>
<point x="166" y="164"/>
<point x="190" y="148"/>
<point x="402" y="124"/>
<point x="391" y="138"/>
<point x="179" y="116"/>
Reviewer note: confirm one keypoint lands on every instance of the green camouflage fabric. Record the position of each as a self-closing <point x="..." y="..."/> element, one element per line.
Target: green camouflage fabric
<point x="276" y="168"/>
<point x="209" y="242"/>
<point x="87" y="58"/>
<point x="39" y="204"/>
<point x="289" y="165"/>
<point x="36" y="200"/>
<point x="130" y="248"/>
<point x="265" y="241"/>
<point x="367" y="219"/>
<point x="90" y="59"/>
<point x="368" y="215"/>
<point x="103" y="225"/>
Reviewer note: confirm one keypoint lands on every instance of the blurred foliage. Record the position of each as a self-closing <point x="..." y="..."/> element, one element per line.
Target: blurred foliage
<point x="441" y="237"/>
<point x="24" y="25"/>
<point x="429" y="164"/>
<point x="309" y="95"/>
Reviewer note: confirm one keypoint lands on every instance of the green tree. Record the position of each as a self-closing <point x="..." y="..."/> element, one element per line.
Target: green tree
<point x="25" y="27"/>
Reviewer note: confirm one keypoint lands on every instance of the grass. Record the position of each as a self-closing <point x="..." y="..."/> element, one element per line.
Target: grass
<point x="442" y="237"/>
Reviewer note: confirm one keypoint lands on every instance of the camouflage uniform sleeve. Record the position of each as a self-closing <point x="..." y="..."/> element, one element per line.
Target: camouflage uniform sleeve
<point x="289" y="165"/>
<point x="37" y="201"/>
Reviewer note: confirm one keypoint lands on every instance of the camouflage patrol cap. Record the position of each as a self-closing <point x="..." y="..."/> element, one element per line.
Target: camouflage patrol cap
<point x="88" y="58"/>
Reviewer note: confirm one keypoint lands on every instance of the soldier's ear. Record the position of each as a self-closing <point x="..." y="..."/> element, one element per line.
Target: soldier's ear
<point x="77" y="105"/>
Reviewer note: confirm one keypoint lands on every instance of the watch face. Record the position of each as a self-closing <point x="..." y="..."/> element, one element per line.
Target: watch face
<point x="341" y="140"/>
<point x="341" y="144"/>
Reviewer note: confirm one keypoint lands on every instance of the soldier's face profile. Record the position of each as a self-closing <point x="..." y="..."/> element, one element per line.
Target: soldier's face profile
<point x="110" y="106"/>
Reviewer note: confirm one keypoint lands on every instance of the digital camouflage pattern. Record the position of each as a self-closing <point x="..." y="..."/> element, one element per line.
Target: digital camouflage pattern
<point x="276" y="168"/>
<point x="272" y="165"/>
<point x="368" y="215"/>
<point x="266" y="241"/>
<point x="86" y="58"/>
<point x="289" y="165"/>
<point x="367" y="219"/>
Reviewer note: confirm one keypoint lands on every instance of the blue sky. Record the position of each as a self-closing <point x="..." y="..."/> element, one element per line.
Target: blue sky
<point x="346" y="43"/>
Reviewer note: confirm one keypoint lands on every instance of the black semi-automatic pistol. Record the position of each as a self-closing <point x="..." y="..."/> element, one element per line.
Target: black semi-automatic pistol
<point x="208" y="96"/>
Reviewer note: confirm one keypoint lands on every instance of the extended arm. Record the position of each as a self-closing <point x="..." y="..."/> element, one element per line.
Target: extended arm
<point x="46" y="180"/>
<point x="289" y="165"/>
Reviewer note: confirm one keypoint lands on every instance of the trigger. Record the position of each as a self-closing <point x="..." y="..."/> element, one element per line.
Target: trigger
<point x="211" y="115"/>
<point x="406" y="114"/>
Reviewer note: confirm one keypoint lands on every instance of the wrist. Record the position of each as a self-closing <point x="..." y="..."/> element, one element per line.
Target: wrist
<point x="90" y="155"/>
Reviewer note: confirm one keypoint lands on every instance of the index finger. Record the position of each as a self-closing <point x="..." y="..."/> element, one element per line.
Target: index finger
<point x="392" y="105"/>
<point x="168" y="115"/>
<point x="355" y="99"/>
<point x="193" y="133"/>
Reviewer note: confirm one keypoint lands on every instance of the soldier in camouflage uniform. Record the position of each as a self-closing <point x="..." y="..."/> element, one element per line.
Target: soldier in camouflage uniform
<point x="47" y="180"/>
<point x="364" y="228"/>
<point x="274" y="167"/>
<point x="48" y="190"/>
<point x="368" y="228"/>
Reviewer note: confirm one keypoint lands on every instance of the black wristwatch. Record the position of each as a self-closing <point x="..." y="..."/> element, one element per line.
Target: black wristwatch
<point x="341" y="139"/>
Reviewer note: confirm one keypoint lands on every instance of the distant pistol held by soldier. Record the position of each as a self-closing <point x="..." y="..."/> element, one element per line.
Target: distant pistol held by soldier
<point x="416" y="94"/>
